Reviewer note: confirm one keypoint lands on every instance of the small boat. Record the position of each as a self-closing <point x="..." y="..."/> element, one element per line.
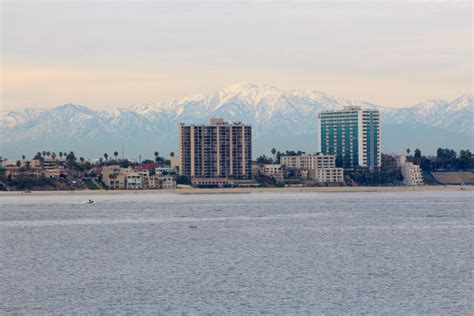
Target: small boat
<point x="193" y="226"/>
<point x="88" y="202"/>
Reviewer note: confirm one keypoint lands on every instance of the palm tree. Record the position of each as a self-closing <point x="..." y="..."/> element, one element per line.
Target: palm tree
<point x="106" y="156"/>
<point x="82" y="160"/>
<point x="18" y="163"/>
<point x="61" y="154"/>
<point x="44" y="153"/>
<point x="71" y="156"/>
<point x="23" y="157"/>
<point x="273" y="153"/>
<point x="115" y="154"/>
<point x="171" y="154"/>
<point x="156" y="156"/>
<point x="48" y="153"/>
<point x="53" y="155"/>
<point x="408" y="151"/>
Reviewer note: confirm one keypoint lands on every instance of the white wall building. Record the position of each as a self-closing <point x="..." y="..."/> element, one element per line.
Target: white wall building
<point x="319" y="167"/>
<point x="272" y="170"/>
<point x="167" y="182"/>
<point x="133" y="181"/>
<point x="163" y="171"/>
<point x="310" y="161"/>
<point x="327" y="175"/>
<point x="411" y="173"/>
<point x="126" y="178"/>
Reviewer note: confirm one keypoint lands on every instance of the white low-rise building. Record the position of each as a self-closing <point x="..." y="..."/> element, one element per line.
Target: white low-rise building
<point x="126" y="178"/>
<point x="167" y="182"/>
<point x="54" y="173"/>
<point x="411" y="173"/>
<point x="327" y="175"/>
<point x="319" y="167"/>
<point x="309" y="161"/>
<point x="272" y="170"/>
<point x="159" y="182"/>
<point x="163" y="171"/>
<point x="133" y="181"/>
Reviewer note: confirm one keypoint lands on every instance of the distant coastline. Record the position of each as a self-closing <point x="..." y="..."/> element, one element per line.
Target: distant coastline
<point x="249" y="190"/>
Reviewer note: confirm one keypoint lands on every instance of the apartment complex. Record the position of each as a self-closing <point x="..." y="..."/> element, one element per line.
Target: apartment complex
<point x="272" y="170"/>
<point x="215" y="151"/>
<point x="320" y="167"/>
<point x="48" y="168"/>
<point x="352" y="135"/>
<point x="23" y="163"/>
<point x="411" y="173"/>
<point x="116" y="178"/>
<point x="309" y="161"/>
<point x="327" y="175"/>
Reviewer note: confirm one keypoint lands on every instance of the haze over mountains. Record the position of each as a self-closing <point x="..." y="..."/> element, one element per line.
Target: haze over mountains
<point x="280" y="118"/>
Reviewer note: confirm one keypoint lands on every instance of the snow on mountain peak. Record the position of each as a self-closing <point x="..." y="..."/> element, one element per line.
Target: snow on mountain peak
<point x="465" y="101"/>
<point x="279" y="118"/>
<point x="431" y="106"/>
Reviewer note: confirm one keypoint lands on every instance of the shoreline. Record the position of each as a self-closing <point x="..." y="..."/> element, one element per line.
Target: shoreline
<point x="249" y="190"/>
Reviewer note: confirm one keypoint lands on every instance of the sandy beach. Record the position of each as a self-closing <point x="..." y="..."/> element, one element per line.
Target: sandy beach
<point x="248" y="190"/>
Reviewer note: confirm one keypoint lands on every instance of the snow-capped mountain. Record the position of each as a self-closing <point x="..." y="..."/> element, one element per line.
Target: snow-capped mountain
<point x="454" y="116"/>
<point x="280" y="118"/>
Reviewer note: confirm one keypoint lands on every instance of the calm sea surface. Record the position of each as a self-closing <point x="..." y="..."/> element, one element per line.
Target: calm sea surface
<point x="277" y="253"/>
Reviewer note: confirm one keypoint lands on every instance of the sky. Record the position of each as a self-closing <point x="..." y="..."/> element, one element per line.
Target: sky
<point x="108" y="54"/>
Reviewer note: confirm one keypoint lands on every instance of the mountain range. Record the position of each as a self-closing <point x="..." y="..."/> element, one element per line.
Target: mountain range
<point x="280" y="118"/>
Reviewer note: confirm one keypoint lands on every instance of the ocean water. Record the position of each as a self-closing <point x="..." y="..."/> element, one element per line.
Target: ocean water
<point x="272" y="253"/>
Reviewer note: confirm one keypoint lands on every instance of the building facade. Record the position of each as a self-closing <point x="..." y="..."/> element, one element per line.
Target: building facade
<point x="320" y="167"/>
<point x="327" y="175"/>
<point x="272" y="170"/>
<point x="217" y="150"/>
<point x="134" y="181"/>
<point x="113" y="177"/>
<point x="116" y="178"/>
<point x="309" y="161"/>
<point x="411" y="173"/>
<point x="352" y="135"/>
<point x="34" y="163"/>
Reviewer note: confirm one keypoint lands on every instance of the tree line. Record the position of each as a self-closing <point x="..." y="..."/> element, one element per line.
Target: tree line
<point x="445" y="160"/>
<point x="73" y="162"/>
<point x="263" y="159"/>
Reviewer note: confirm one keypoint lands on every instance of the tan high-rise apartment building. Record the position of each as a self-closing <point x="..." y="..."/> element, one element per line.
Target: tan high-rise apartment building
<point x="218" y="150"/>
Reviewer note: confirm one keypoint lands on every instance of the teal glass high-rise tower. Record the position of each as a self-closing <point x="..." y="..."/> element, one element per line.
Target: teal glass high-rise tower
<point x="352" y="135"/>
